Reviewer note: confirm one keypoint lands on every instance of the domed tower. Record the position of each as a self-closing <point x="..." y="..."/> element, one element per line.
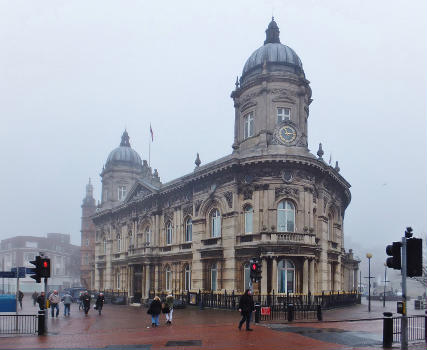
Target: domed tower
<point x="272" y="101"/>
<point x="122" y="169"/>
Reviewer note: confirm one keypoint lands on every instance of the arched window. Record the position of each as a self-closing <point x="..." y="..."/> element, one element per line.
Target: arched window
<point x="119" y="243"/>
<point x="147" y="235"/>
<point x="188" y="230"/>
<point x="286" y="217"/>
<point x="187" y="278"/>
<point x="214" y="277"/>
<point x="286" y="276"/>
<point x="248" y="219"/>
<point x="330" y="227"/>
<point x="168" y="278"/>
<point x="215" y="223"/>
<point x="246" y="277"/>
<point x="104" y="246"/>
<point x="249" y="125"/>
<point x="169" y="233"/>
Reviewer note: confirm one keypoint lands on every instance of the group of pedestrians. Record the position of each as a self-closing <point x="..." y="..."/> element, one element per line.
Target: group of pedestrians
<point x="246" y="308"/>
<point x="157" y="307"/>
<point x="53" y="300"/>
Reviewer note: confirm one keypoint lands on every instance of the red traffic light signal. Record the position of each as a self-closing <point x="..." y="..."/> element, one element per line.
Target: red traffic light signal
<point x="253" y="267"/>
<point x="45" y="268"/>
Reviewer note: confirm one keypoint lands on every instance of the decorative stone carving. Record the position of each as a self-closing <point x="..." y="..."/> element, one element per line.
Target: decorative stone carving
<point x="197" y="205"/>
<point x="229" y="197"/>
<point x="187" y="210"/>
<point x="287" y="191"/>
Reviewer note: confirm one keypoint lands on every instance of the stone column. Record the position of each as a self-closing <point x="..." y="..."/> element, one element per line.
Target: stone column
<point x="130" y="272"/>
<point x="274" y="275"/>
<point x="156" y="278"/>
<point x="305" y="276"/>
<point x="147" y="280"/>
<point x="264" y="276"/>
<point x="311" y="278"/>
<point x="337" y="278"/>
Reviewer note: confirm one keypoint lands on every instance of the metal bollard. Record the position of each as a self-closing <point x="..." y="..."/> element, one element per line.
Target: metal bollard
<point x="257" y="313"/>
<point x="387" y="330"/>
<point x="40" y="321"/>
<point x="319" y="313"/>
<point x="290" y="312"/>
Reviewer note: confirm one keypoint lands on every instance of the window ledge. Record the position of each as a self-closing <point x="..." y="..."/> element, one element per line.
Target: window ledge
<point x="211" y="241"/>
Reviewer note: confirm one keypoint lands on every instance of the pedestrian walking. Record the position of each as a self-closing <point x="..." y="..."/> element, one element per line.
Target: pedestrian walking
<point x="99" y="302"/>
<point x="81" y="300"/>
<point x="169" y="309"/>
<point x="86" y="302"/>
<point x="41" y="301"/>
<point x="154" y="310"/>
<point x="34" y="296"/>
<point x="67" y="299"/>
<point x="246" y="306"/>
<point x="54" y="301"/>
<point x="20" y="297"/>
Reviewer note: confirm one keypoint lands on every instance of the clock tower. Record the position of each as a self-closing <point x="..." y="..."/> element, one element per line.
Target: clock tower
<point x="271" y="101"/>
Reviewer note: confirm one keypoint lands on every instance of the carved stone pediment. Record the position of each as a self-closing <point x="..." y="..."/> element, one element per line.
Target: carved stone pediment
<point x="139" y="190"/>
<point x="286" y="191"/>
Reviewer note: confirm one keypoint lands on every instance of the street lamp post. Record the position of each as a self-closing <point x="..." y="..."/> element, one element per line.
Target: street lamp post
<point x="369" y="256"/>
<point x="385" y="282"/>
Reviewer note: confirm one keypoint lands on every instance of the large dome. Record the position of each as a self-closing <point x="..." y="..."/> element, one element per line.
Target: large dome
<point x="272" y="52"/>
<point x="124" y="154"/>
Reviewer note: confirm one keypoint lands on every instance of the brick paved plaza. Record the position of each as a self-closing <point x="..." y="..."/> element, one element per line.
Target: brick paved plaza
<point x="128" y="327"/>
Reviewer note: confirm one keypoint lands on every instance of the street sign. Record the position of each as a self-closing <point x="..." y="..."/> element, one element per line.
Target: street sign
<point x="21" y="271"/>
<point x="265" y="311"/>
<point x="7" y="274"/>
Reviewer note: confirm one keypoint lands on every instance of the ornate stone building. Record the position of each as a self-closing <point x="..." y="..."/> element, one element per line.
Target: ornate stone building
<point x="270" y="198"/>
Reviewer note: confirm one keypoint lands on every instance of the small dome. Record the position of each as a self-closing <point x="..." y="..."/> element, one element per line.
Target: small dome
<point x="272" y="52"/>
<point x="124" y="154"/>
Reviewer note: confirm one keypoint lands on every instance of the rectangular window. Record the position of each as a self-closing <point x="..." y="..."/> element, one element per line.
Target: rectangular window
<point x="283" y="114"/>
<point x="214" y="278"/>
<point x="87" y="242"/>
<point x="249" y="125"/>
<point x="105" y="246"/>
<point x="248" y="220"/>
<point x="118" y="280"/>
<point x="168" y="279"/>
<point x="122" y="192"/>
<point x="187" y="279"/>
<point x="30" y="244"/>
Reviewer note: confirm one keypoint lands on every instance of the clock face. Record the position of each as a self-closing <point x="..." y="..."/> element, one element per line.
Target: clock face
<point x="287" y="134"/>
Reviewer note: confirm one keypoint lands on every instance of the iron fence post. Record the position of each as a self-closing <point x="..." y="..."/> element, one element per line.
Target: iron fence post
<point x="40" y="318"/>
<point x="319" y="313"/>
<point x="257" y="313"/>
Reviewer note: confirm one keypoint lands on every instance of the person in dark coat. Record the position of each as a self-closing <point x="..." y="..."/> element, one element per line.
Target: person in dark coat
<point x="34" y="296"/>
<point x="86" y="302"/>
<point x="20" y="297"/>
<point x="99" y="302"/>
<point x="246" y="306"/>
<point x="154" y="310"/>
<point x="41" y="301"/>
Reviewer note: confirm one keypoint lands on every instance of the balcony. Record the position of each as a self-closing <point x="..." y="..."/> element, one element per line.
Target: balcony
<point x="289" y="237"/>
<point x="211" y="241"/>
<point x="185" y="246"/>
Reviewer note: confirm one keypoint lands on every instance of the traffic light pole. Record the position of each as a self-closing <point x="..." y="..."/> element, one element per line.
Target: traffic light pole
<point x="404" y="320"/>
<point x="45" y="308"/>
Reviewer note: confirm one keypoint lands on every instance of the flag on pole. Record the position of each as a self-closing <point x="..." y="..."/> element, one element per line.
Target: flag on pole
<point x="151" y="132"/>
<point x="330" y="159"/>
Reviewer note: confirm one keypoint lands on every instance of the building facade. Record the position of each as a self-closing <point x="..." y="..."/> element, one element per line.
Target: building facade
<point x="270" y="198"/>
<point x="87" y="250"/>
<point x="19" y="251"/>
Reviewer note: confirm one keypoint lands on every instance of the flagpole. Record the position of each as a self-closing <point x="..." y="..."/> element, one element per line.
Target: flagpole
<point x="149" y="151"/>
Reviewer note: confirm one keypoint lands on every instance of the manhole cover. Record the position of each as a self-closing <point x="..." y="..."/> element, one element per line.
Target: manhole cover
<point x="184" y="343"/>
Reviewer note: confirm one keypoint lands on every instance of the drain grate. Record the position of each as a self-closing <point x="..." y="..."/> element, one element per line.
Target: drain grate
<point x="184" y="343"/>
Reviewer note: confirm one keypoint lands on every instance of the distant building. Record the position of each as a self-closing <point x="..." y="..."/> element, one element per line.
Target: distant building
<point x="87" y="250"/>
<point x="271" y="198"/>
<point x="20" y="250"/>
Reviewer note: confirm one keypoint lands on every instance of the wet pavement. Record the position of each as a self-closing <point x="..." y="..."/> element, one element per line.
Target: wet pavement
<point x="129" y="327"/>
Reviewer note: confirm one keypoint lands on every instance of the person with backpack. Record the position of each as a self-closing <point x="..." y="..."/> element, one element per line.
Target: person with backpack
<point x="168" y="309"/>
<point x="99" y="303"/>
<point x="67" y="299"/>
<point x="86" y="302"/>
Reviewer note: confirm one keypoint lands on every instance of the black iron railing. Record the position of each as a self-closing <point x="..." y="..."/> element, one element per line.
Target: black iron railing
<point x="416" y="328"/>
<point x="18" y="324"/>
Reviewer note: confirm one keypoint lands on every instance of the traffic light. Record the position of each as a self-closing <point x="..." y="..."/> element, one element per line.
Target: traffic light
<point x="414" y="257"/>
<point x="37" y="269"/>
<point x="258" y="270"/>
<point x="45" y="268"/>
<point x="253" y="269"/>
<point x="394" y="251"/>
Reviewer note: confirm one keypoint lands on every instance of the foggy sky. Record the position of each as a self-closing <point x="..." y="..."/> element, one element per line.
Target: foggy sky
<point x="74" y="74"/>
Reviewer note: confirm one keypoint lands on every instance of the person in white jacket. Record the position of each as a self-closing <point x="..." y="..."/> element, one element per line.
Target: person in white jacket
<point x="54" y="300"/>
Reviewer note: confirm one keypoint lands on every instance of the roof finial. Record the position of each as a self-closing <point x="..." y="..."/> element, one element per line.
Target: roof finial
<point x="272" y="33"/>
<point x="320" y="152"/>
<point x="237" y="82"/>
<point x="197" y="161"/>
<point x="125" y="140"/>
